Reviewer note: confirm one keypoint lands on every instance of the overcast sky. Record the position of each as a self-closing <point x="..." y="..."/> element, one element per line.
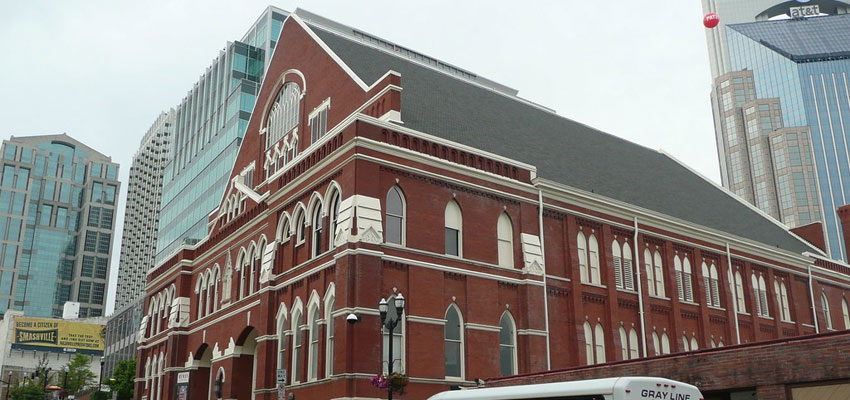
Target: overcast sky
<point x="102" y="70"/>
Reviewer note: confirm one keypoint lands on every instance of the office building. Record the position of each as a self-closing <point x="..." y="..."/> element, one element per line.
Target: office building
<point x="57" y="208"/>
<point x="209" y="124"/>
<point x="141" y="215"/>
<point x="522" y="241"/>
<point x="122" y="329"/>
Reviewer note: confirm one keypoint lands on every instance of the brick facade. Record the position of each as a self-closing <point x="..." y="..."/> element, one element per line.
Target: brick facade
<point x="194" y="323"/>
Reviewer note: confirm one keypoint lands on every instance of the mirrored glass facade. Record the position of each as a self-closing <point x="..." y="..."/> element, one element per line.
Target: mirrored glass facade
<point x="57" y="219"/>
<point x="209" y="125"/>
<point x="796" y="125"/>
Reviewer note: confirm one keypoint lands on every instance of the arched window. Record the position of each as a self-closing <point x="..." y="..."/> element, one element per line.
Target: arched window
<point x="623" y="274"/>
<point x="333" y="217"/>
<point x="581" y="245"/>
<point x="656" y="343"/>
<point x="694" y="344"/>
<point x="216" y="283"/>
<point x="313" y="357"/>
<point x="154" y="374"/>
<point x="200" y="286"/>
<point x="317" y="230"/>
<point x="845" y="311"/>
<point x="593" y="258"/>
<point x="250" y="263"/>
<point x="714" y="283"/>
<point x="685" y="343"/>
<point x="505" y="239"/>
<point x="633" y="344"/>
<point x="659" y="274"/>
<point x="507" y="345"/>
<point x="395" y="217"/>
<point x="283" y="229"/>
<point x="240" y="263"/>
<point x="454" y="229"/>
<point x="763" y="296"/>
<point x="208" y="292"/>
<point x="296" y="345"/>
<point x="454" y="343"/>
<point x="720" y="343"/>
<point x="283" y="116"/>
<point x="300" y="221"/>
<point x="397" y="338"/>
<point x="824" y="302"/>
<point x="147" y="372"/>
<point x="683" y="278"/>
<point x="712" y="343"/>
<point x="650" y="278"/>
<point x="739" y="293"/>
<point x="665" y="343"/>
<point x="281" y="337"/>
<point x="329" y="340"/>
<point x="782" y="306"/>
<point x="624" y="344"/>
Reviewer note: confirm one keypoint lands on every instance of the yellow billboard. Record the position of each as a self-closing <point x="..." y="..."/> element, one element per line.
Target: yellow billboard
<point x="58" y="335"/>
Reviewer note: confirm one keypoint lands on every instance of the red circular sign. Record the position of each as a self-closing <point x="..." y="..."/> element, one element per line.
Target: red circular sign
<point x="710" y="20"/>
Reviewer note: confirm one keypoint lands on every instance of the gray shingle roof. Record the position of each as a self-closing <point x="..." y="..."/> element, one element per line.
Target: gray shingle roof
<point x="804" y="39"/>
<point x="563" y="151"/>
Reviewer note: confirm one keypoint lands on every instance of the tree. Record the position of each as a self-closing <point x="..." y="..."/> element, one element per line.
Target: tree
<point x="30" y="391"/>
<point x="77" y="374"/>
<point x="123" y="379"/>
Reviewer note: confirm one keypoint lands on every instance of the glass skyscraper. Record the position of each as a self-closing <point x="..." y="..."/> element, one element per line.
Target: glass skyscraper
<point x="209" y="125"/>
<point x="57" y="208"/>
<point x="802" y="65"/>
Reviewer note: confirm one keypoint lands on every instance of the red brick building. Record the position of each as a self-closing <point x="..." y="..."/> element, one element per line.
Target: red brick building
<point x="369" y="170"/>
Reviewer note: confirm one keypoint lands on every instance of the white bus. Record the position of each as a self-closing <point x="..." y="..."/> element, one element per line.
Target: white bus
<point x="624" y="388"/>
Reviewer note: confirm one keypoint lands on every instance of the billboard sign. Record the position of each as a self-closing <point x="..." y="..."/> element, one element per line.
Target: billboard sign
<point x="56" y="335"/>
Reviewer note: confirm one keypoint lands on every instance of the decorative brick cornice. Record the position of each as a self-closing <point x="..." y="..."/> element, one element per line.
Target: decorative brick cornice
<point x="717" y="319"/>
<point x="588" y="223"/>
<point x="627" y="304"/>
<point x="457" y="188"/>
<point x="689" y="314"/>
<point x="661" y="309"/>
<point x="589" y="297"/>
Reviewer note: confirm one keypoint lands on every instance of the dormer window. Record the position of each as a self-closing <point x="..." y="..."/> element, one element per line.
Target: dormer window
<point x="319" y="121"/>
<point x="283" y="116"/>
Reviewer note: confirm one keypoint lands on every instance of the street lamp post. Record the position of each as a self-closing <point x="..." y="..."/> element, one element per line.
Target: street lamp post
<point x="100" y="380"/>
<point x="390" y="324"/>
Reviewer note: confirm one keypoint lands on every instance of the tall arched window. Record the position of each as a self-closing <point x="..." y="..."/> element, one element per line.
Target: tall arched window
<point x="624" y="344"/>
<point x="581" y="245"/>
<point x="656" y="343"/>
<point x="209" y="290"/>
<point x="454" y="343"/>
<point x="296" y="346"/>
<point x="760" y="296"/>
<point x="200" y="287"/>
<point x="686" y="343"/>
<point x="313" y="357"/>
<point x="507" y="345"/>
<point x="251" y="262"/>
<point x="505" y="239"/>
<point x="317" y="230"/>
<point x="241" y="261"/>
<point x="650" y="277"/>
<point x="824" y="302"/>
<point x="593" y="258"/>
<point x="216" y="283"/>
<point x="617" y="255"/>
<point x="714" y="283"/>
<point x="300" y="222"/>
<point x="665" y="343"/>
<point x="333" y="217"/>
<point x="154" y="375"/>
<point x="633" y="344"/>
<point x="454" y="229"/>
<point x="283" y="116"/>
<point x="281" y="337"/>
<point x="739" y="293"/>
<point x="395" y="217"/>
<point x="329" y="339"/>
<point x="658" y="263"/>
<point x="694" y="343"/>
<point x="845" y="312"/>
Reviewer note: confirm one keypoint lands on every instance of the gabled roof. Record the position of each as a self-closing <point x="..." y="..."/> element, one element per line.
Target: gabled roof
<point x="806" y="39"/>
<point x="564" y="151"/>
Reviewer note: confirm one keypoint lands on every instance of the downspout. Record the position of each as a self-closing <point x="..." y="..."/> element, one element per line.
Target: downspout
<point x="640" y="290"/>
<point x="812" y="298"/>
<point x="732" y="287"/>
<point x="545" y="294"/>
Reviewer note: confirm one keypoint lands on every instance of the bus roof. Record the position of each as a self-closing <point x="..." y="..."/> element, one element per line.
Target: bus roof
<point x="573" y="388"/>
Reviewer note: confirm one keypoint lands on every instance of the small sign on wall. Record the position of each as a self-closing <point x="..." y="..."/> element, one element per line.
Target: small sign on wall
<point x="182" y="386"/>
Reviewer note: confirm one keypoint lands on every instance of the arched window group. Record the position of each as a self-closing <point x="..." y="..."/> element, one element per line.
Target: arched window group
<point x="623" y="265"/>
<point x="716" y="344"/>
<point x="661" y="344"/>
<point x="594" y="342"/>
<point x="206" y="289"/>
<point x="159" y="311"/>
<point x="304" y="330"/>
<point x="684" y="281"/>
<point x="712" y="284"/>
<point x="783" y="306"/>
<point x="629" y="344"/>
<point x="283" y="116"/>
<point x="654" y="266"/>
<point x="588" y="258"/>
<point x="690" y="344"/>
<point x="153" y="376"/>
<point x="760" y="295"/>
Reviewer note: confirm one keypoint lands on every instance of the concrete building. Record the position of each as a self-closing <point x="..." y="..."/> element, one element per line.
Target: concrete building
<point x="141" y="215"/>
<point x="121" y="331"/>
<point x="522" y="241"/>
<point x="26" y="342"/>
<point x="209" y="124"/>
<point x="57" y="207"/>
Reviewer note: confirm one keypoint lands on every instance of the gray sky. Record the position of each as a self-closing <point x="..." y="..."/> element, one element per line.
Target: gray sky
<point x="102" y="70"/>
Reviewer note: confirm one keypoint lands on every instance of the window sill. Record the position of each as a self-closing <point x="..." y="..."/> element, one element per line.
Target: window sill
<point x="716" y="308"/>
<point x="767" y="317"/>
<point x="744" y="313"/>
<point x="690" y="303"/>
<point x="787" y="321"/>
<point x="595" y="285"/>
<point x="630" y="291"/>
<point x="652" y="296"/>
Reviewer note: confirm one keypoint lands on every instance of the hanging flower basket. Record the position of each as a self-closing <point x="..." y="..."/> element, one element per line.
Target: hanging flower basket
<point x="395" y="382"/>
